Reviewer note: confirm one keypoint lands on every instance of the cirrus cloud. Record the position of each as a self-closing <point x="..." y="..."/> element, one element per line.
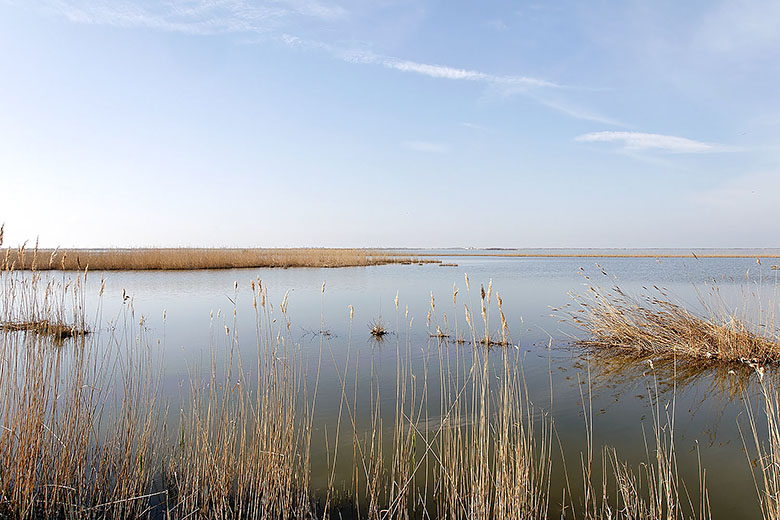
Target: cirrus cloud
<point x="198" y="17"/>
<point x="646" y="141"/>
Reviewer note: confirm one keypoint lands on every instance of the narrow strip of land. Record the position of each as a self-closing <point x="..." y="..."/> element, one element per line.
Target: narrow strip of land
<point x="595" y="255"/>
<point x="196" y="258"/>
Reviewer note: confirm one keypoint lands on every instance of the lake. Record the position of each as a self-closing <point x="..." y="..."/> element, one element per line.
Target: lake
<point x="330" y="313"/>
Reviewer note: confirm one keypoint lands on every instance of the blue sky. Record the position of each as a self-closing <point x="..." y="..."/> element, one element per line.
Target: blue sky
<point x="390" y="123"/>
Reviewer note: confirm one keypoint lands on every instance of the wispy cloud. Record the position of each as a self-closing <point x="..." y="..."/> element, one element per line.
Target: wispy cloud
<point x="192" y="16"/>
<point x="268" y="21"/>
<point x="317" y="9"/>
<point x="445" y="72"/>
<point x="426" y="146"/>
<point x="425" y="69"/>
<point x="644" y="141"/>
<point x="537" y="89"/>
<point x="577" y="112"/>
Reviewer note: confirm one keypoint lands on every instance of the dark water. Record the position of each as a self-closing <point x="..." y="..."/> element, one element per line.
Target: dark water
<point x="706" y="415"/>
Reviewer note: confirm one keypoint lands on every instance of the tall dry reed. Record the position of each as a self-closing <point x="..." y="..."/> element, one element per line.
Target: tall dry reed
<point x="657" y="324"/>
<point x="243" y="445"/>
<point x="40" y="302"/>
<point x="654" y="489"/>
<point x="763" y="450"/>
<point x="79" y="424"/>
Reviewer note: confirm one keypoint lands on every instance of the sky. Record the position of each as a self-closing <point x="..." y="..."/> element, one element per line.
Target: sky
<point x="390" y="123"/>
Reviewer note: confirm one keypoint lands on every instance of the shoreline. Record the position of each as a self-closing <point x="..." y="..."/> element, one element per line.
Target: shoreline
<point x="180" y="259"/>
<point x="595" y="255"/>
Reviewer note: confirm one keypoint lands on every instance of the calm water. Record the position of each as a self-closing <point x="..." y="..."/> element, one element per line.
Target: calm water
<point x="706" y="417"/>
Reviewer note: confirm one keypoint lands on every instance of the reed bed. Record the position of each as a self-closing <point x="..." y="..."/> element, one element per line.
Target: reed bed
<point x="79" y="432"/>
<point x="196" y="258"/>
<point x="656" y="324"/>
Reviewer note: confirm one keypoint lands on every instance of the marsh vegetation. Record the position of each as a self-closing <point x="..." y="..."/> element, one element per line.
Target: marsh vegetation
<point x="655" y="324"/>
<point x="87" y="429"/>
<point x="196" y="258"/>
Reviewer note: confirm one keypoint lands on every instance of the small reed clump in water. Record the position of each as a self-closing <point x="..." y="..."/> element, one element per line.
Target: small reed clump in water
<point x="378" y="329"/>
<point x="58" y="331"/>
<point x="40" y="303"/>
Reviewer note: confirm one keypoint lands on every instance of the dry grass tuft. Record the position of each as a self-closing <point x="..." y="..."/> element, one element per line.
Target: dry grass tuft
<point x="657" y="325"/>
